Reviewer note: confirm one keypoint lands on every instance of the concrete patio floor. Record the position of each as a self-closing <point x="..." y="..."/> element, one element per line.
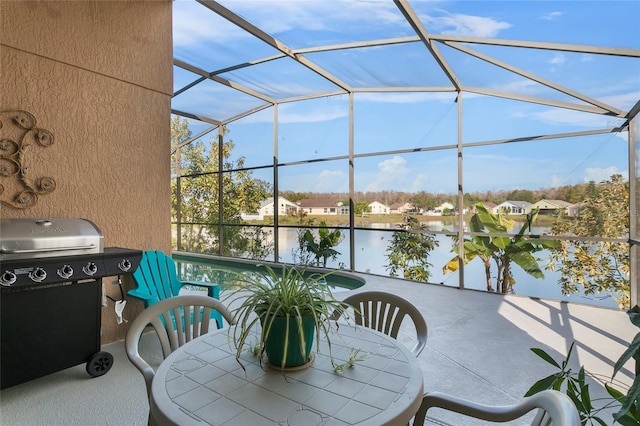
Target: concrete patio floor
<point x="478" y="348"/>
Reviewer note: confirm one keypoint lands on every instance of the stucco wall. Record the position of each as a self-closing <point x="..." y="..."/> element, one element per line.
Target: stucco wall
<point x="98" y="75"/>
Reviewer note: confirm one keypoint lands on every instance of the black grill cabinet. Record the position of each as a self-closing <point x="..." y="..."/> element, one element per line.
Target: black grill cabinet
<point x="51" y="296"/>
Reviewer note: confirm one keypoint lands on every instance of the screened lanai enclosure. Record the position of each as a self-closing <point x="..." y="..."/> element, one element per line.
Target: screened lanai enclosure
<point x="489" y="145"/>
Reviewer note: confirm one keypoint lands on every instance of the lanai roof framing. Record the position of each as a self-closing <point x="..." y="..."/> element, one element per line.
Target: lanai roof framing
<point x="431" y="41"/>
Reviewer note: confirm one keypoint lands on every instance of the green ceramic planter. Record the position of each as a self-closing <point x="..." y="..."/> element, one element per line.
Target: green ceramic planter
<point x="292" y="355"/>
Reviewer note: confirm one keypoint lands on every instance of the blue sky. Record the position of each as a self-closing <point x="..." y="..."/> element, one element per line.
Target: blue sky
<point x="318" y="128"/>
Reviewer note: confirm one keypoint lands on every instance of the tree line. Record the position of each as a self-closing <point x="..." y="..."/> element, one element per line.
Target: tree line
<point x="428" y="201"/>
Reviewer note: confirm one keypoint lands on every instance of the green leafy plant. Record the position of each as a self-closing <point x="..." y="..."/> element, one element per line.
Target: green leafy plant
<point x="288" y="293"/>
<point x="577" y="389"/>
<point x="196" y="202"/>
<point x="502" y="250"/>
<point x="409" y="251"/>
<point x="322" y="244"/>
<point x="603" y="266"/>
<point x="630" y="410"/>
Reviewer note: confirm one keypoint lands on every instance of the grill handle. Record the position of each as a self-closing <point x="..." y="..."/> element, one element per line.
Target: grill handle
<point x="45" y="250"/>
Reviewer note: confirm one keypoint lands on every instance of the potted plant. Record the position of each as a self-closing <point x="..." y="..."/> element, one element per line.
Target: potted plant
<point x="291" y="309"/>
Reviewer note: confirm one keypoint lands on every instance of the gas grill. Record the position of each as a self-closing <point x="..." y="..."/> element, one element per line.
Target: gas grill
<point x="51" y="274"/>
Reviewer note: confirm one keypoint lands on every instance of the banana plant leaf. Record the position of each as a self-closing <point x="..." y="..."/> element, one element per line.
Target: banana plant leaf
<point x="528" y="263"/>
<point x="518" y="249"/>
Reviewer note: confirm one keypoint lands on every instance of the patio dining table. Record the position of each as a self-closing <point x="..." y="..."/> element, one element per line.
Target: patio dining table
<point x="203" y="383"/>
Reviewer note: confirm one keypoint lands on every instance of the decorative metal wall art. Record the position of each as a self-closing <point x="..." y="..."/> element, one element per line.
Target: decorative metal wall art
<point x="18" y="131"/>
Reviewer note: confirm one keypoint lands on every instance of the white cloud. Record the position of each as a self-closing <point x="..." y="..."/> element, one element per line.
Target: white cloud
<point x="391" y="164"/>
<point x="408" y="98"/>
<point x="419" y="183"/>
<point x="558" y="58"/>
<point x="551" y="16"/>
<point x="289" y="113"/>
<point x="192" y="24"/>
<point x="392" y="173"/>
<point x="466" y="25"/>
<point x="556" y="181"/>
<point x="574" y="118"/>
<point x="516" y="171"/>
<point x="523" y="86"/>
<point x="598" y="174"/>
<point x="557" y="116"/>
<point x="623" y="101"/>
<point x="280" y="16"/>
<point x="328" y="174"/>
<point x="325" y="181"/>
<point x="195" y="24"/>
<point x="330" y="181"/>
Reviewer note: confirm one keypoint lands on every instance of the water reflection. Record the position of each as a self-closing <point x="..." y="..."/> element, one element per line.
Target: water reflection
<point x="371" y="257"/>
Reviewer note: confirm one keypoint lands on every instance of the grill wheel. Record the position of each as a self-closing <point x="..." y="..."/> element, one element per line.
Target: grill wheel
<point x="99" y="364"/>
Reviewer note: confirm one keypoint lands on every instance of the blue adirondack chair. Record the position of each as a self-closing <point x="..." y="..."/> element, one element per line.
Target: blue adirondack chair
<point x="157" y="280"/>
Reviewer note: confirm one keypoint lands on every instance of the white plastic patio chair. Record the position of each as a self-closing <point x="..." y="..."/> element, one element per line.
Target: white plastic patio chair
<point x="190" y="317"/>
<point x="553" y="408"/>
<point x="385" y="312"/>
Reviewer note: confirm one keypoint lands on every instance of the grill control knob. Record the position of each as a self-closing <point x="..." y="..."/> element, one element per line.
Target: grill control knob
<point x="65" y="272"/>
<point x="124" y="265"/>
<point x="38" y="275"/>
<point x="90" y="268"/>
<point x="8" y="278"/>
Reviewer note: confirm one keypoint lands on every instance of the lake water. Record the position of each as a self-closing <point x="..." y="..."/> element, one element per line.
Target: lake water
<point x="370" y="257"/>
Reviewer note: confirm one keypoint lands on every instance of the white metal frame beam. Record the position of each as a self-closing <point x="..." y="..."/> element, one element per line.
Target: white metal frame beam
<point x="417" y="26"/>
<point x="272" y="41"/>
<point x="535" y="78"/>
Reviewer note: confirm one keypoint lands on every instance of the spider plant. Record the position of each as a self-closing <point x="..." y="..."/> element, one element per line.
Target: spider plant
<point x="305" y="303"/>
<point x="354" y="357"/>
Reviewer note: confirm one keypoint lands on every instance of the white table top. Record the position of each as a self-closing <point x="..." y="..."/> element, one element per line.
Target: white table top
<point x="202" y="383"/>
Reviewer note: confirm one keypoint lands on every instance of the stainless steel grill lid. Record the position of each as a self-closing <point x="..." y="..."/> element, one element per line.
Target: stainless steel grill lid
<point x="35" y="238"/>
